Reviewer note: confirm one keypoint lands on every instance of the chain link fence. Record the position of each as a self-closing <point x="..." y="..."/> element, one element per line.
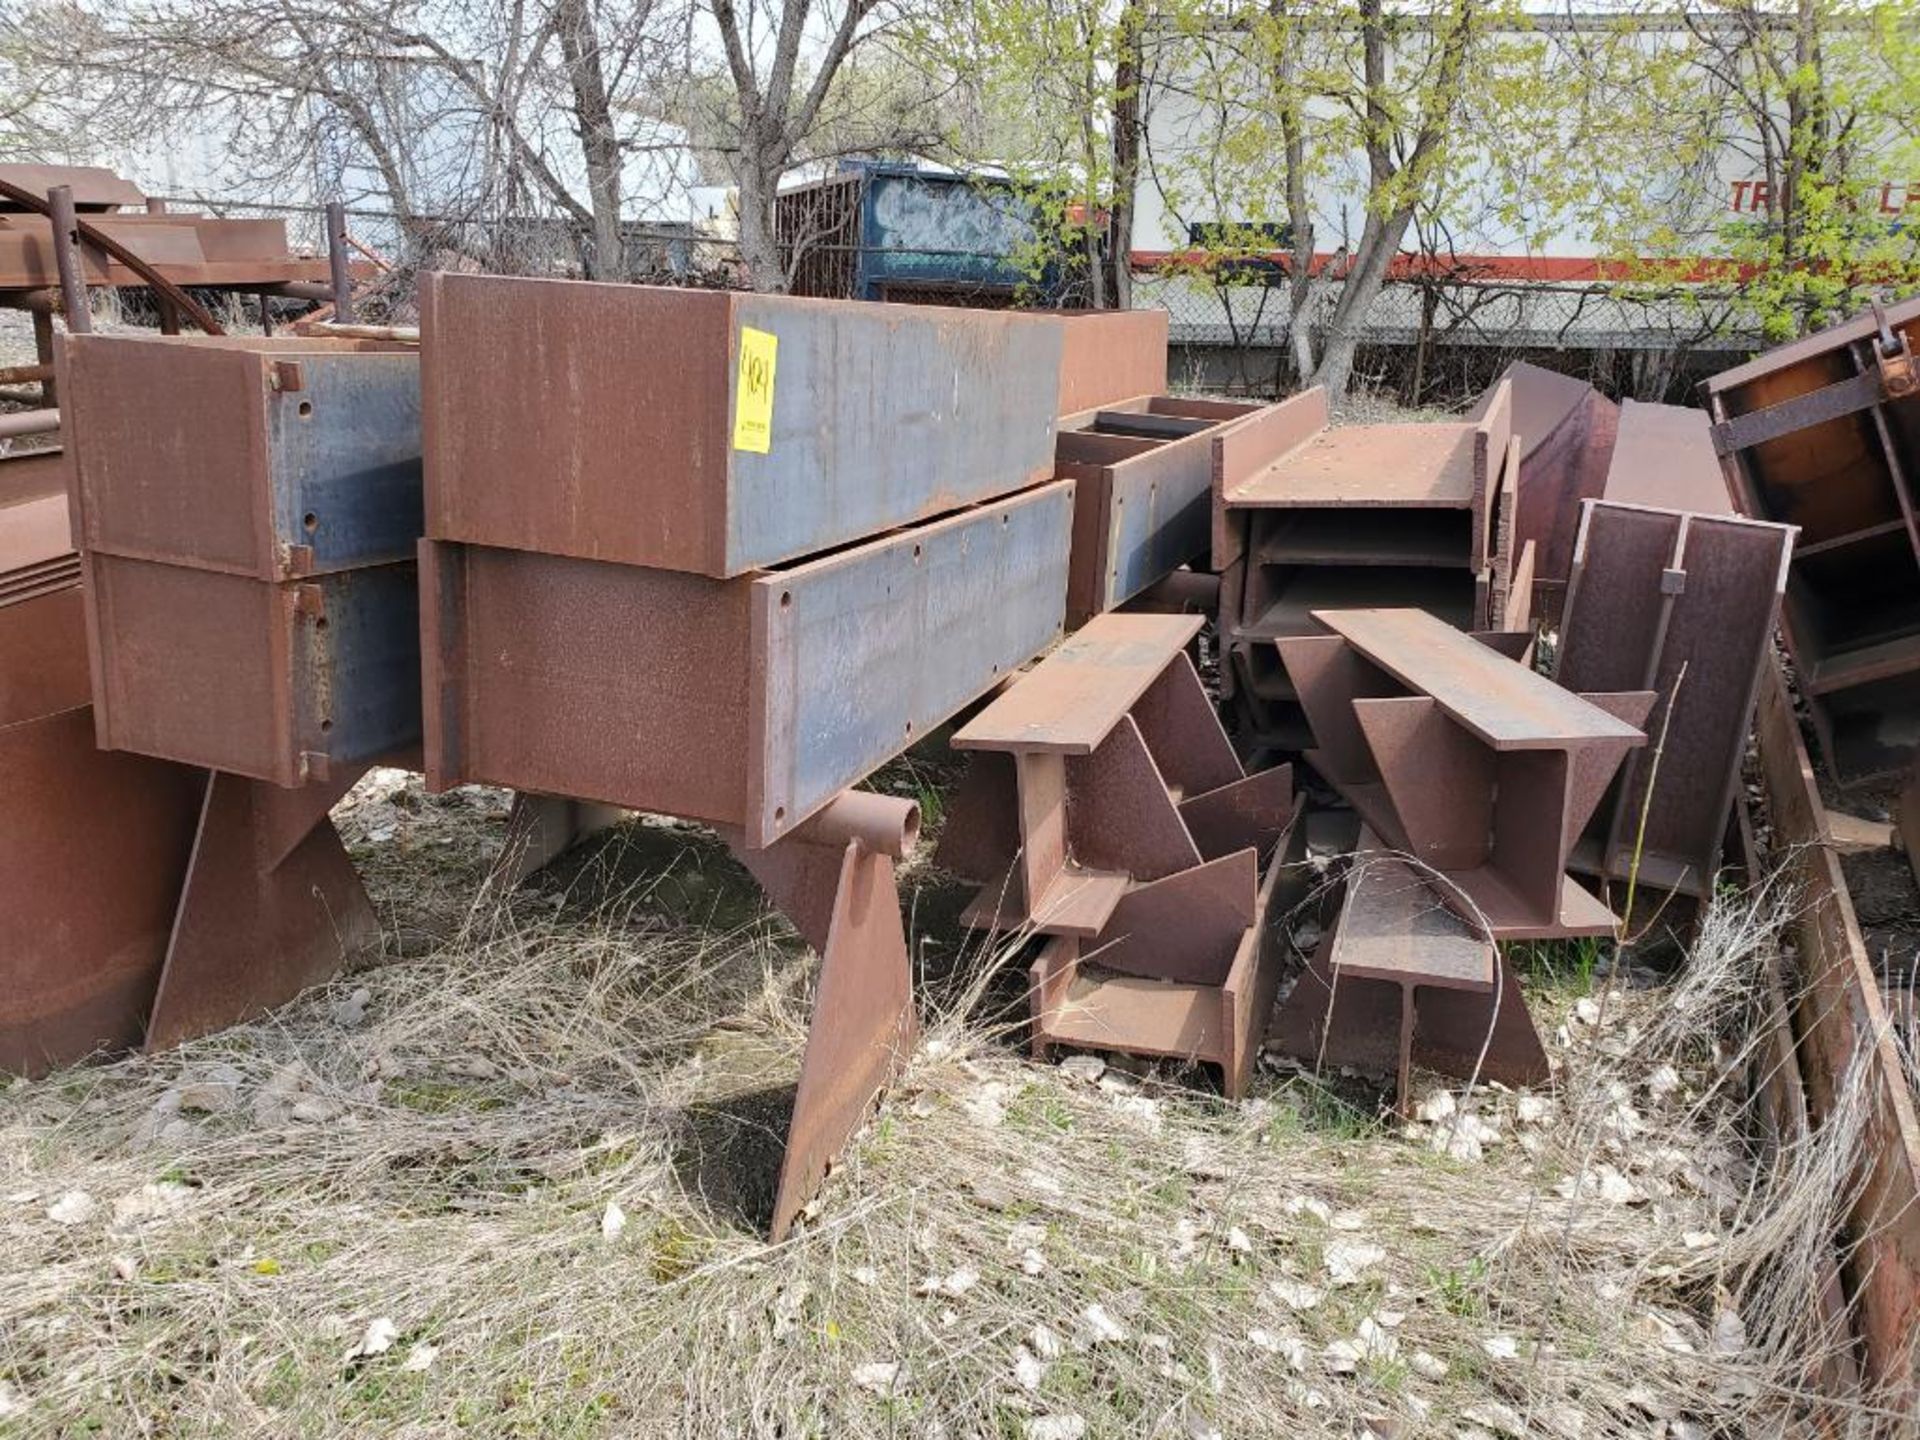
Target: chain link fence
<point x="1431" y="339"/>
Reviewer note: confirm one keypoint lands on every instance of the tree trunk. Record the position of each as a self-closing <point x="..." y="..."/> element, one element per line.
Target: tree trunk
<point x="599" y="143"/>
<point x="1126" y="155"/>
<point x="1365" y="279"/>
<point x="759" y="181"/>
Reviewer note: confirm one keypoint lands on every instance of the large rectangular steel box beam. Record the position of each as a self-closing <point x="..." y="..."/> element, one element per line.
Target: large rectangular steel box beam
<point x="273" y="682"/>
<point x="1144" y="506"/>
<point x="750" y="701"/>
<point x="611" y="434"/>
<point x="1112" y="355"/>
<point x="272" y="458"/>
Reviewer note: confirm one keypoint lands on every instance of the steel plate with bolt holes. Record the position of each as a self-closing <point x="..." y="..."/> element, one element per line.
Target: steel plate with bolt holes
<point x="768" y="694"/>
<point x="881" y="416"/>
<point x="273" y="458"/>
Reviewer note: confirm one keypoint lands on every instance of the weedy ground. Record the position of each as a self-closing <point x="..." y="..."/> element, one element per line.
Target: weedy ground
<point x="507" y="1182"/>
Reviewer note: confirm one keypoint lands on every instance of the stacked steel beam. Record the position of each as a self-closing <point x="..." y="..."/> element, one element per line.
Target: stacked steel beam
<point x="1308" y="517"/>
<point x="1105" y="808"/>
<point x="247" y="511"/>
<point x="720" y="556"/>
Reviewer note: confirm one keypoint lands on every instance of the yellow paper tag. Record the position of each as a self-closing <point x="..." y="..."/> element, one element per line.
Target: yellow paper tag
<point x="753" y="404"/>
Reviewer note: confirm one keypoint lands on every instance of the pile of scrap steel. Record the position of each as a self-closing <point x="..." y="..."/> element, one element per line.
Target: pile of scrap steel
<point x="722" y="556"/>
<point x="66" y="229"/>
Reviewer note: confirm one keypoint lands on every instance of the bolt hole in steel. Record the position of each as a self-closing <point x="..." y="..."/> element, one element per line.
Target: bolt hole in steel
<point x="909" y="727"/>
<point x="306" y="409"/>
<point x="320" y="622"/>
<point x="779" y="813"/>
<point x="326" y="724"/>
<point x="311" y="521"/>
<point x="786" y="599"/>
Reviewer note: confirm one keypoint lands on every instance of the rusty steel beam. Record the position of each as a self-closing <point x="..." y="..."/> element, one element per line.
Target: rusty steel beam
<point x="1187" y="967"/>
<point x="1845" y="1040"/>
<point x="248" y="512"/>
<point x="1401" y="979"/>
<point x="852" y="419"/>
<point x="67" y="223"/>
<point x="1819" y="434"/>
<point x="1111" y="355"/>
<point x="1110" y="762"/>
<point x="1567" y="431"/>
<point x="1141" y="504"/>
<point x="1465" y="759"/>
<point x="1683" y="605"/>
<point x="1310" y="517"/>
<point x="768" y="695"/>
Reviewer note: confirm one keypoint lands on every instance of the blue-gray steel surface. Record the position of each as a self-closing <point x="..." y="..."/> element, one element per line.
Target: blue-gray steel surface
<point x="344" y="455"/>
<point x="884" y="416"/>
<point x="357" y="678"/>
<point x="868" y="653"/>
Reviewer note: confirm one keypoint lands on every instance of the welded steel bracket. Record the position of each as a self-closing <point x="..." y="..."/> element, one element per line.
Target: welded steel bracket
<point x="834" y="878"/>
<point x="1186" y="967"/>
<point x="271" y="905"/>
<point x="1103" y="767"/>
<point x="1468" y="761"/>
<point x="1401" y="980"/>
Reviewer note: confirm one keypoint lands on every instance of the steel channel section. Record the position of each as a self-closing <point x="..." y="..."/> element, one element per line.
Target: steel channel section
<point x="1683" y="605"/>
<point x="606" y="441"/>
<point x="766" y="696"/>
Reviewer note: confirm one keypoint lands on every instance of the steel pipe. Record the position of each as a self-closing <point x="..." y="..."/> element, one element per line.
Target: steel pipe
<point x="29" y="422"/>
<point x="337" y="260"/>
<point x="885" y="824"/>
<point x="66" y="258"/>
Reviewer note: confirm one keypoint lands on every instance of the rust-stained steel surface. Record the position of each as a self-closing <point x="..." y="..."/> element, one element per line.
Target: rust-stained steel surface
<point x="270" y="905"/>
<point x="1467" y="760"/>
<point x="1111" y="355"/>
<point x="1683" y="605"/>
<point x="272" y="458"/>
<point x="181" y="248"/>
<point x="1142" y="504"/>
<point x="1186" y="967"/>
<point x="614" y="436"/>
<point x="1845" y="1040"/>
<point x="1664" y="457"/>
<point x="1311" y="518"/>
<point x="1567" y="432"/>
<point x="1073" y="698"/>
<point x="92" y="845"/>
<point x="766" y="696"/>
<point x="281" y="683"/>
<point x="1813" y="434"/>
<point x="834" y="878"/>
<point x="248" y="510"/>
<point x="1118" y="771"/>
<point x="1400" y="980"/>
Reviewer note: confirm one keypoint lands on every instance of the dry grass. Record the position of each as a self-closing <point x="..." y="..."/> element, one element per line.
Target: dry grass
<point x="1011" y="1249"/>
